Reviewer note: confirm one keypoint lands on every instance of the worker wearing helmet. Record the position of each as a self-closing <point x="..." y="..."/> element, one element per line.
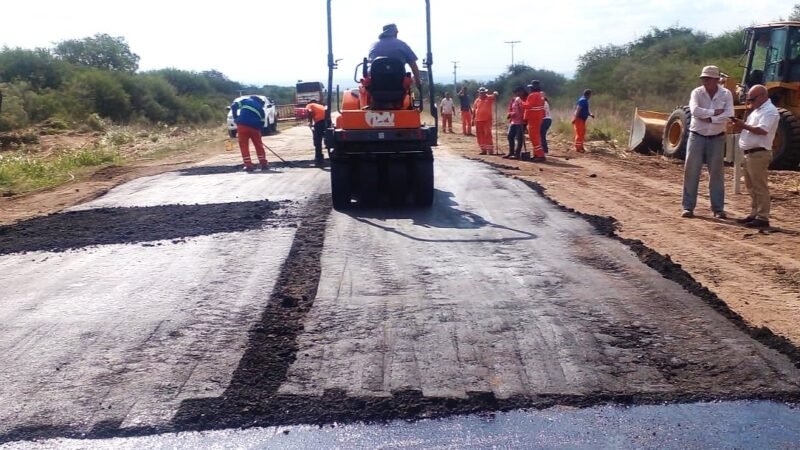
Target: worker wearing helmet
<point x="248" y="114"/>
<point x="389" y="46"/>
<point x="534" y="116"/>
<point x="483" y="106"/>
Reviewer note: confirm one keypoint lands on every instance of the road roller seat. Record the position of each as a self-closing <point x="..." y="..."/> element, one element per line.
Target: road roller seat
<point x="389" y="83"/>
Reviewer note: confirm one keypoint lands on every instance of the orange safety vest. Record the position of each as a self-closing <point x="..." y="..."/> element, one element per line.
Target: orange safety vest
<point x="534" y="102"/>
<point x="317" y="112"/>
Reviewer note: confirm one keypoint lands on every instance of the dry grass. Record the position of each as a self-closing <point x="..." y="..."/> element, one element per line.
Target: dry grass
<point x="61" y="158"/>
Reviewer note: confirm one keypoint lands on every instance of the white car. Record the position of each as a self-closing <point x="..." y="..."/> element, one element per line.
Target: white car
<point x="270" y="114"/>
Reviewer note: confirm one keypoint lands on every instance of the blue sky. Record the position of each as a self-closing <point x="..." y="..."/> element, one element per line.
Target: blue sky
<point x="278" y="42"/>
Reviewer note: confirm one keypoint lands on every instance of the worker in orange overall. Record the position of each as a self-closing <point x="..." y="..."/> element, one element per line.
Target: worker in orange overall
<point x="317" y="123"/>
<point x="534" y="115"/>
<point x="580" y="116"/>
<point x="484" y="107"/>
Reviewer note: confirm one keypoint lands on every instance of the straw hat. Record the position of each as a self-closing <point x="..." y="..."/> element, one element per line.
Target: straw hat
<point x="710" y="72"/>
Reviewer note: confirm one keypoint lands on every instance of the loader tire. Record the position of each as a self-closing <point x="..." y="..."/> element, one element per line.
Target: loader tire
<point x="786" y="146"/>
<point x="676" y="133"/>
<point x="340" y="185"/>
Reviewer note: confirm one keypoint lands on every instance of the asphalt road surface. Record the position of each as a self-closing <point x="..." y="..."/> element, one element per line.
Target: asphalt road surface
<point x="212" y="298"/>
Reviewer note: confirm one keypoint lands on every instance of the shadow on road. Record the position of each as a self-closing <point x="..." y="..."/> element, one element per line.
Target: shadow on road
<point x="103" y="226"/>
<point x="444" y="214"/>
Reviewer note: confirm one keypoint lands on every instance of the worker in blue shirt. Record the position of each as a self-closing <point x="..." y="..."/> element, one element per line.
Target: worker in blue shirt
<point x="579" y="119"/>
<point x="248" y="114"/>
<point x="389" y="46"/>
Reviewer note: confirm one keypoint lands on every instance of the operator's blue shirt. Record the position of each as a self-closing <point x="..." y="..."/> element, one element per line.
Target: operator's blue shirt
<point x="583" y="102"/>
<point x="248" y="112"/>
<point x="391" y="47"/>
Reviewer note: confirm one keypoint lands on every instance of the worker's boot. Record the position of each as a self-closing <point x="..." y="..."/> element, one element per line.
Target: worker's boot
<point x="319" y="160"/>
<point x="264" y="165"/>
<point x="525" y="156"/>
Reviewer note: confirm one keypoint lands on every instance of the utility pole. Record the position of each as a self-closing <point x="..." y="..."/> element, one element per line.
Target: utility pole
<point x="512" y="50"/>
<point x="455" y="67"/>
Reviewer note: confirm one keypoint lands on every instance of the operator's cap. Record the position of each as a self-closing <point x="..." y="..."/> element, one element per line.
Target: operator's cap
<point x="710" y="72"/>
<point x="389" y="30"/>
<point x="482" y="89"/>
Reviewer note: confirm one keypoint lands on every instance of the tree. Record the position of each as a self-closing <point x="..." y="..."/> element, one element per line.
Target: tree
<point x="186" y="82"/>
<point x="795" y="15"/>
<point x="102" y="93"/>
<point x="101" y="51"/>
<point x="221" y="83"/>
<point x="37" y="67"/>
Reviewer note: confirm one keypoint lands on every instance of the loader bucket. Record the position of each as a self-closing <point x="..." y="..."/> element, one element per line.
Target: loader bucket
<point x="647" y="130"/>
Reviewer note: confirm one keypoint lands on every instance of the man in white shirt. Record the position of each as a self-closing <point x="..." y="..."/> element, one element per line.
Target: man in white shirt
<point x="711" y="106"/>
<point x="448" y="109"/>
<point x="755" y="140"/>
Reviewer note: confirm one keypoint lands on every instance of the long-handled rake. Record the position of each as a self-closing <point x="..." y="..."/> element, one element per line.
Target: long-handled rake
<point x="276" y="155"/>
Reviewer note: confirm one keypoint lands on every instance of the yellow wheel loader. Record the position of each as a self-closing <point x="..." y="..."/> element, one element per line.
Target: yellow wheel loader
<point x="772" y="55"/>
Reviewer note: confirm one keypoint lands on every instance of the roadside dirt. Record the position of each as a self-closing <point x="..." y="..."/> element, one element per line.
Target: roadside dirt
<point x="47" y="201"/>
<point x="757" y="274"/>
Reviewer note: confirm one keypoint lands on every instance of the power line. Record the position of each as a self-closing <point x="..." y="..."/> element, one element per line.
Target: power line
<point x="512" y="50"/>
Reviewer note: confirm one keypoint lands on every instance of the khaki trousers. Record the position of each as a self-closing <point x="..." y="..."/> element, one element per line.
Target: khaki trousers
<point x="756" y="178"/>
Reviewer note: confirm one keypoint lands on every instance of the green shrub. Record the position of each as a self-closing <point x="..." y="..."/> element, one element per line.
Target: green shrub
<point x="119" y="137"/>
<point x="46" y="104"/>
<point x="88" y="158"/>
<point x="95" y="123"/>
<point x="110" y="99"/>
<point x="54" y="123"/>
<point x="13" y="115"/>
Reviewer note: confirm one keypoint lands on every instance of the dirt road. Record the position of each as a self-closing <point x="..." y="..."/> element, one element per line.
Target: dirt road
<point x="209" y="297"/>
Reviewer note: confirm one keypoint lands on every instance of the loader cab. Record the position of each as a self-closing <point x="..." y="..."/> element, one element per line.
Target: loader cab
<point x="773" y="53"/>
<point x="773" y="59"/>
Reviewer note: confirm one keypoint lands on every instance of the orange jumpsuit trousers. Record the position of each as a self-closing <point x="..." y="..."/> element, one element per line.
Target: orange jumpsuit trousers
<point x="447" y="123"/>
<point x="245" y="134"/>
<point x="579" y="125"/>
<point x="534" y="115"/>
<point x="466" y="122"/>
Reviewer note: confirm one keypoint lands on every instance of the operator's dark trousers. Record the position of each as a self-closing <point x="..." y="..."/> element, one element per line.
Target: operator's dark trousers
<point x="319" y="132"/>
<point x="516" y="137"/>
